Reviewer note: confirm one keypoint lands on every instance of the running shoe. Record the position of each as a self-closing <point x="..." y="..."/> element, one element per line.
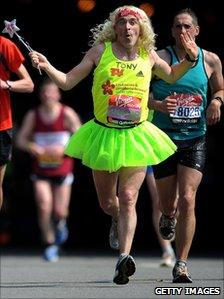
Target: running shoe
<point x="167" y="227"/>
<point x="168" y="260"/>
<point x="125" y="267"/>
<point x="113" y="235"/>
<point x="180" y="273"/>
<point x="61" y="232"/>
<point x="51" y="253"/>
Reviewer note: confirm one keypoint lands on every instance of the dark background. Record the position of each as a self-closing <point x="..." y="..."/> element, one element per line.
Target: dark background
<point x="61" y="32"/>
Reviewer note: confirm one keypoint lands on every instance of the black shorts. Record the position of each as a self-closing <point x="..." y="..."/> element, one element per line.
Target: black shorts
<point x="5" y="146"/>
<point x="190" y="153"/>
<point x="54" y="180"/>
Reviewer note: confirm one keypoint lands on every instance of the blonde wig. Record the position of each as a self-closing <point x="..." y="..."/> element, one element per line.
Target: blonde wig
<point x="105" y="31"/>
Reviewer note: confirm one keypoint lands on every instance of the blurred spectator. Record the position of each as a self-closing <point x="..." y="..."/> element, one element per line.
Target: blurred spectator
<point x="44" y="132"/>
<point x="11" y="62"/>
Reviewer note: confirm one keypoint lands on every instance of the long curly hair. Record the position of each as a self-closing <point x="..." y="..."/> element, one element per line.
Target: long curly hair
<point x="105" y="31"/>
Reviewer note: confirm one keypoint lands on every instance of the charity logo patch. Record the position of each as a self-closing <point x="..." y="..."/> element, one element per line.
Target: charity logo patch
<point x="124" y="110"/>
<point x="108" y="87"/>
<point x="116" y="72"/>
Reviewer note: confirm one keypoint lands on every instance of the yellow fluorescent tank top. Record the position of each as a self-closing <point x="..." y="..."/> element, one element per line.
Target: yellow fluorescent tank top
<point x="120" y="89"/>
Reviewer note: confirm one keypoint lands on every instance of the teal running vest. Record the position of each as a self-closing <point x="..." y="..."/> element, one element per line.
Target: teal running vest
<point x="189" y="120"/>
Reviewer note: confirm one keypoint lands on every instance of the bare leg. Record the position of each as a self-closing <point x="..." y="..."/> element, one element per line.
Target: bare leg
<point x="167" y="189"/>
<point x="167" y="250"/>
<point x="2" y="174"/>
<point x="106" y="188"/>
<point x="156" y="213"/>
<point x="61" y="200"/>
<point x="189" y="180"/>
<point x="43" y="195"/>
<point x="130" y="181"/>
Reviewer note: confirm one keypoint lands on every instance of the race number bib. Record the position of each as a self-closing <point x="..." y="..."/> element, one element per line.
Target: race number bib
<point x="48" y="161"/>
<point x="188" y="109"/>
<point x="124" y="110"/>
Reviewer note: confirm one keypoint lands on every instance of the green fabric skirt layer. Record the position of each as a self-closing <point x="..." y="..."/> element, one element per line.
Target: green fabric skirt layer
<point x="103" y="148"/>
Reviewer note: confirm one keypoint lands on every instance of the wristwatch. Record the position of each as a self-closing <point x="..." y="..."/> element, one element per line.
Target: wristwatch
<point x="219" y="99"/>
<point x="9" y="85"/>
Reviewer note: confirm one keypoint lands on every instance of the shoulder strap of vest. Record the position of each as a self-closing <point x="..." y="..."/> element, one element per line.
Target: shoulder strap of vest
<point x="170" y="50"/>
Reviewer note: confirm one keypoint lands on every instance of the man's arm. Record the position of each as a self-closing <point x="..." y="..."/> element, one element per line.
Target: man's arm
<point x="23" y="84"/>
<point x="72" y="120"/>
<point x="24" y="136"/>
<point x="67" y="81"/>
<point x="214" y="70"/>
<point x="172" y="73"/>
<point x="167" y="106"/>
<point x="169" y="73"/>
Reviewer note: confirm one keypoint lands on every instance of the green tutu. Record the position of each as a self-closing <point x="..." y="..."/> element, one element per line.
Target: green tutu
<point x="109" y="149"/>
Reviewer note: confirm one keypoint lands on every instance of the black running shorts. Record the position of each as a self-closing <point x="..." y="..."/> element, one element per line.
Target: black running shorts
<point x="190" y="153"/>
<point x="54" y="180"/>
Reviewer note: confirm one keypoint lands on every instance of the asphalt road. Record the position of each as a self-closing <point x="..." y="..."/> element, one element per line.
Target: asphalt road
<point x="26" y="275"/>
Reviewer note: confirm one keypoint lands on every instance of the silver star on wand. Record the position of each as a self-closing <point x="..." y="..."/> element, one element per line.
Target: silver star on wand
<point x="11" y="29"/>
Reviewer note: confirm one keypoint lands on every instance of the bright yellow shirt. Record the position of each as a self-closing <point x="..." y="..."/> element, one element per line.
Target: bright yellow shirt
<point x="121" y="89"/>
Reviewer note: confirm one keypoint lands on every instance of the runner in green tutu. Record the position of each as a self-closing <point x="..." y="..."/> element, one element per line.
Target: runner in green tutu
<point x="119" y="142"/>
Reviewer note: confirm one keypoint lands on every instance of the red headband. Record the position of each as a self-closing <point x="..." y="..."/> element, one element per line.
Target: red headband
<point x="127" y="11"/>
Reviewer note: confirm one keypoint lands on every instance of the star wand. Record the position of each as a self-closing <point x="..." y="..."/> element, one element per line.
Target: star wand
<point x="11" y="29"/>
